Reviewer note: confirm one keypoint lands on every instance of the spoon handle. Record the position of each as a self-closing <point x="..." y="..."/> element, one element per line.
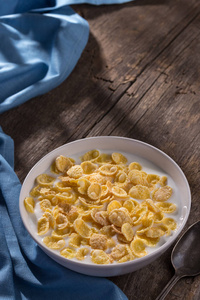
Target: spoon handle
<point x="168" y="287"/>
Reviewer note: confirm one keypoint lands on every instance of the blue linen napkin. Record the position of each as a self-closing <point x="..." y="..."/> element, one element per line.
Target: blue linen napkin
<point x="41" y="42"/>
<point x="37" y="51"/>
<point x="26" y="272"/>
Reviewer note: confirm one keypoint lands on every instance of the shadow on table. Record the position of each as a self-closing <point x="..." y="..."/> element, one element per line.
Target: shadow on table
<point x="98" y="10"/>
<point x="71" y="110"/>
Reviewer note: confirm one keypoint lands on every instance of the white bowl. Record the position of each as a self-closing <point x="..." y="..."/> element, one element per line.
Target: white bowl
<point x="149" y="157"/>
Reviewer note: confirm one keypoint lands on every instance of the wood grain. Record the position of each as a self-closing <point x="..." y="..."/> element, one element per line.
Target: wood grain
<point x="139" y="77"/>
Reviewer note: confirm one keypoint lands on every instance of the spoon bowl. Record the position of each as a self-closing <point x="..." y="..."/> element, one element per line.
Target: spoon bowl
<point x="185" y="257"/>
<point x="186" y="253"/>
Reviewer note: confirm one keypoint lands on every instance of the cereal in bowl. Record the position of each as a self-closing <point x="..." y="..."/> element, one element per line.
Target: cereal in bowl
<point x="104" y="210"/>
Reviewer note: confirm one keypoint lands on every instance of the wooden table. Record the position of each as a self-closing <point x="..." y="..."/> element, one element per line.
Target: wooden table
<point x="138" y="77"/>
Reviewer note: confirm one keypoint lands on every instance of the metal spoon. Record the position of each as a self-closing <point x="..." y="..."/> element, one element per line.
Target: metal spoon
<point x="185" y="257"/>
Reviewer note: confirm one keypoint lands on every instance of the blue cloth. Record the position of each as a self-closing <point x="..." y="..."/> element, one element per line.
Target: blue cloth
<point x="40" y="44"/>
<point x="26" y="272"/>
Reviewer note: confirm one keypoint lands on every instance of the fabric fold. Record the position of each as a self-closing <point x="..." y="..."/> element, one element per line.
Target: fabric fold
<point x="38" y="51"/>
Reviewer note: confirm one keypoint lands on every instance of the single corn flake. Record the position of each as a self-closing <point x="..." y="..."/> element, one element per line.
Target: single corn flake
<point x="107" y="230"/>
<point x="100" y="257"/>
<point x="129" y="256"/>
<point x="113" y="205"/>
<point x="75" y="172"/>
<point x="130" y="205"/>
<point x="75" y="240"/>
<point x="119" y="192"/>
<point x="63" y="207"/>
<point x="49" y="216"/>
<point x="54" y="201"/>
<point x="120" y="216"/>
<point x="121" y="239"/>
<point x="63" y="163"/>
<point x="158" y="217"/>
<point x="153" y="178"/>
<point x="83" y="185"/>
<point x="69" y="180"/>
<point x="61" y="221"/>
<point x="117" y="229"/>
<point x="119" y="158"/>
<point x="72" y="214"/>
<point x="150" y="242"/>
<point x="137" y="177"/>
<point x="82" y="228"/>
<point x="139" y="214"/>
<point x="100" y="217"/>
<point x="88" y="167"/>
<point x="62" y="187"/>
<point x="151" y="205"/>
<point x="108" y="170"/>
<point x="88" y="204"/>
<point x="169" y="222"/>
<point x="147" y="223"/>
<point x="127" y="231"/>
<point x="166" y="207"/>
<point x="43" y="225"/>
<point x="103" y="158"/>
<point x="94" y="191"/>
<point x="96" y="178"/>
<point x="82" y="253"/>
<point x="45" y="180"/>
<point x="139" y="192"/>
<point x="163" y="227"/>
<point x="61" y="233"/>
<point x="29" y="204"/>
<point x="53" y="242"/>
<point x="68" y="196"/>
<point x="118" y="252"/>
<point x="47" y="193"/>
<point x="90" y="155"/>
<point x="162" y="193"/>
<point x="154" y="232"/>
<point x="44" y="204"/>
<point x="68" y="253"/>
<point x="163" y="180"/>
<point x="121" y="178"/>
<point x="111" y="243"/>
<point x="138" y="247"/>
<point x="135" y="166"/>
<point x="98" y="241"/>
<point x="104" y="191"/>
<point x="35" y="192"/>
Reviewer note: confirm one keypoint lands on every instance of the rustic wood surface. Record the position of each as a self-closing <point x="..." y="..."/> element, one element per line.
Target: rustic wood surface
<point x="138" y="77"/>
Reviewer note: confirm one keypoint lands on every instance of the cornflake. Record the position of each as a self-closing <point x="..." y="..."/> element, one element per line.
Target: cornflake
<point x="63" y="163"/>
<point x="104" y="208"/>
<point x="68" y="253"/>
<point x="54" y="242"/>
<point x="100" y="257"/>
<point x="29" y="204"/>
<point x="43" y="225"/>
<point x="98" y="241"/>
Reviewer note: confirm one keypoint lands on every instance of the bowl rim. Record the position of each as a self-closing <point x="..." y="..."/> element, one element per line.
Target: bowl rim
<point x="136" y="261"/>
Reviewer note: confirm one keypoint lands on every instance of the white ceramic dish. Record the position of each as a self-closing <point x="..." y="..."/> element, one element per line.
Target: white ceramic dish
<point x="150" y="157"/>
